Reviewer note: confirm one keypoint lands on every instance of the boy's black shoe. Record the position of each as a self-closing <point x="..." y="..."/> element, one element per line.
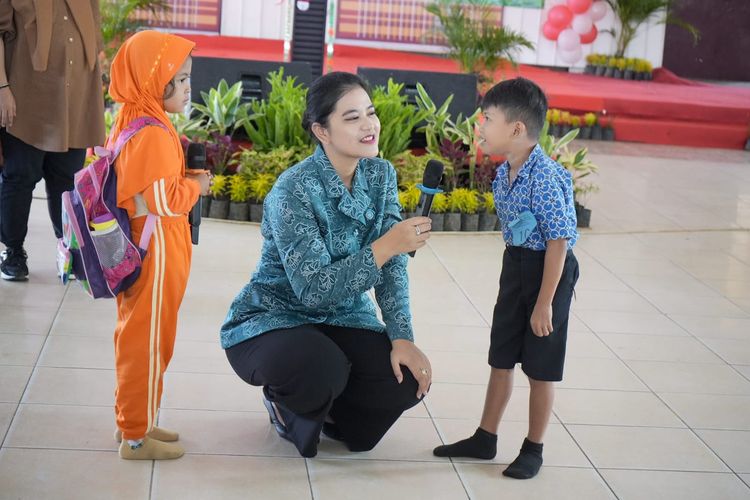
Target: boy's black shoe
<point x="13" y="264"/>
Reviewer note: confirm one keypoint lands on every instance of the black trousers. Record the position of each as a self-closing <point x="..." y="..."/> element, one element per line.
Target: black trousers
<point x="316" y="370"/>
<point x="512" y="339"/>
<point x="24" y="167"/>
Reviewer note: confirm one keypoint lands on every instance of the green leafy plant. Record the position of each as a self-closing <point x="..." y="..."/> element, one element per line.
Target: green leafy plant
<point x="260" y="186"/>
<point x="194" y="129"/>
<point x="589" y="119"/>
<point x="221" y="107"/>
<point x="239" y="189"/>
<point x="409" y="198"/>
<point x="220" y="186"/>
<point x="397" y="118"/>
<point x="463" y="201"/>
<point x="633" y="13"/>
<point x="277" y="121"/>
<point x="410" y="167"/>
<point x="251" y="162"/>
<point x="577" y="163"/>
<point x="487" y="201"/>
<point x="474" y="39"/>
<point x="440" y="203"/>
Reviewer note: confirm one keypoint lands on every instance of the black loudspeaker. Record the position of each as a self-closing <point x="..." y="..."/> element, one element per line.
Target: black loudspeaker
<point x="438" y="86"/>
<point x="309" y="33"/>
<point x="208" y="72"/>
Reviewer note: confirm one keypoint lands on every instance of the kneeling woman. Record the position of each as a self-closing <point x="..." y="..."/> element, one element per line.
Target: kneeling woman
<point x="304" y="328"/>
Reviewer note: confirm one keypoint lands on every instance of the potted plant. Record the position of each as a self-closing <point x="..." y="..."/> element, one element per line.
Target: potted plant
<point x="629" y="73"/>
<point x="221" y="108"/>
<point x="239" y="192"/>
<point x="259" y="187"/>
<point x="620" y="68"/>
<point x="398" y="119"/>
<point x="611" y="66"/>
<point x="409" y="198"/>
<point x="589" y="120"/>
<point x="565" y="125"/>
<point x="608" y="133"/>
<point x="555" y="117"/>
<point x="648" y="70"/>
<point x="487" y="214"/>
<point x="437" y="212"/>
<point x="476" y="41"/>
<point x="601" y="65"/>
<point x="452" y="220"/>
<point x="219" y="208"/>
<point x="465" y="203"/>
<point x="575" y="122"/>
<point x="590" y="68"/>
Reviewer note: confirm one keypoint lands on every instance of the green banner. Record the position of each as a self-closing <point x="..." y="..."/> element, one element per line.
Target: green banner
<point x="534" y="4"/>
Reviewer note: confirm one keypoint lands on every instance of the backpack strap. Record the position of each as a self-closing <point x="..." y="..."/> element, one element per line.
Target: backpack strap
<point x="125" y="135"/>
<point x="148" y="231"/>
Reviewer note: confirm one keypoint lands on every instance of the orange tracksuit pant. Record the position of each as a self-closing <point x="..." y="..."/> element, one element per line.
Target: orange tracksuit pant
<point x="147" y="324"/>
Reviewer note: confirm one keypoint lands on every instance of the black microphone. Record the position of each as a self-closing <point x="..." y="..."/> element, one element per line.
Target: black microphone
<point x="196" y="159"/>
<point x="433" y="173"/>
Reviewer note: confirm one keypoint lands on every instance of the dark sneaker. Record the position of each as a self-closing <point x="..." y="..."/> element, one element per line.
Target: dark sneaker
<point x="13" y="265"/>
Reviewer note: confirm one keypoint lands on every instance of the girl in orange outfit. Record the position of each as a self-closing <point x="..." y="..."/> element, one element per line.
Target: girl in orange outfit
<point x="151" y="76"/>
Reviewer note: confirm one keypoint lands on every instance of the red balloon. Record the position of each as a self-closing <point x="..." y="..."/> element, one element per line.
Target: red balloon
<point x="559" y="16"/>
<point x="579" y="6"/>
<point x="590" y="36"/>
<point x="550" y="31"/>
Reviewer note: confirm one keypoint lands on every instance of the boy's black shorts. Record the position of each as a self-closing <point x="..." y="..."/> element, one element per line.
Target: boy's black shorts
<point x="512" y="340"/>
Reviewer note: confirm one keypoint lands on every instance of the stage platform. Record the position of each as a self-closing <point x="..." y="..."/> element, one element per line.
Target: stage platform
<point x="668" y="110"/>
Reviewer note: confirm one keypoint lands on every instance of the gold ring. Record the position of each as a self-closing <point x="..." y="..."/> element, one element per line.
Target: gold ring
<point x="424" y="371"/>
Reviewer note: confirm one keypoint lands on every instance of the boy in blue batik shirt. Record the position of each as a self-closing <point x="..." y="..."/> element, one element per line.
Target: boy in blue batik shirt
<point x="534" y="200"/>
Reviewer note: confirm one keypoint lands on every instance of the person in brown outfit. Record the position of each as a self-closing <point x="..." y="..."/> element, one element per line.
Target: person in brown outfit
<point x="51" y="110"/>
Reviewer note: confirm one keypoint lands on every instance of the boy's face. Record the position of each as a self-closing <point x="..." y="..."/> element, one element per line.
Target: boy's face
<point x="181" y="96"/>
<point x="497" y="134"/>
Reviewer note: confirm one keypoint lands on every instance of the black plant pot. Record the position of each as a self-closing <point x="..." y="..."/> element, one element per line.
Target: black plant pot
<point x="555" y="130"/>
<point x="238" y="211"/>
<point x="648" y="76"/>
<point x="438" y="221"/>
<point x="256" y="212"/>
<point x="589" y="69"/>
<point x="608" y="134"/>
<point x="747" y="145"/>
<point x="617" y="74"/>
<point x="470" y="222"/>
<point x="629" y="74"/>
<point x="610" y="72"/>
<point x="205" y="205"/>
<point x="601" y="70"/>
<point x="583" y="215"/>
<point x="219" y="209"/>
<point x="585" y="133"/>
<point x="452" y="222"/>
<point x="487" y="221"/>
<point x="564" y="129"/>
<point x="596" y="133"/>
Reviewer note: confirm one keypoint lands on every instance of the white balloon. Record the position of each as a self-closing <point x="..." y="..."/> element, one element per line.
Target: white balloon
<point x="598" y="10"/>
<point x="582" y="23"/>
<point x="570" y="56"/>
<point x="569" y="40"/>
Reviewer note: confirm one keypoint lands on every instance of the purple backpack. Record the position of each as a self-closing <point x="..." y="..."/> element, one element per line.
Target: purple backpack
<point x="97" y="246"/>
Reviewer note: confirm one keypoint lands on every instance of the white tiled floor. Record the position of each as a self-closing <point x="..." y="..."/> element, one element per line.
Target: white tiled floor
<point x="655" y="401"/>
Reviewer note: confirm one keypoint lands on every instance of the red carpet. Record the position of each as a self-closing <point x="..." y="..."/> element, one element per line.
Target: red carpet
<point x="668" y="110"/>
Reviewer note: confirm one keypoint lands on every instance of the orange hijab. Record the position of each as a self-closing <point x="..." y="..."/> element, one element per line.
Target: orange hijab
<point x="142" y="68"/>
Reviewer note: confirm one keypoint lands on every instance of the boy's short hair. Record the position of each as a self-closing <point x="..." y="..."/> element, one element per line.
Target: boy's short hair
<point x="520" y="100"/>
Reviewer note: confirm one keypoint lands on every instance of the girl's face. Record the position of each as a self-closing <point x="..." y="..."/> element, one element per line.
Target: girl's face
<point x="497" y="133"/>
<point x="180" y="85"/>
<point x="353" y="127"/>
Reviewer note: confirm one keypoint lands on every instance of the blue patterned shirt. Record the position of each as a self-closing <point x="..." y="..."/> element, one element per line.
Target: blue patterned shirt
<point x="317" y="264"/>
<point x="544" y="187"/>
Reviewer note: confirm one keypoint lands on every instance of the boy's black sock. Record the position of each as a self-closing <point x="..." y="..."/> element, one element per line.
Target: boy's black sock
<point x="527" y="463"/>
<point x="482" y="444"/>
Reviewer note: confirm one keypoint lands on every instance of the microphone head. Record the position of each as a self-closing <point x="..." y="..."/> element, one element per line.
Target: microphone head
<point x="433" y="173"/>
<point x="196" y="156"/>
